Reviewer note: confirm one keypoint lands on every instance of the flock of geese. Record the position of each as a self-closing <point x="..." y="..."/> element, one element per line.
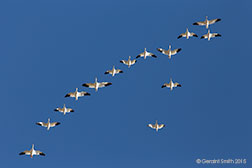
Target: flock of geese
<point x="96" y="85"/>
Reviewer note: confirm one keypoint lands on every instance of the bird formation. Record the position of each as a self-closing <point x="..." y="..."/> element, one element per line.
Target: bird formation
<point x="96" y="85"/>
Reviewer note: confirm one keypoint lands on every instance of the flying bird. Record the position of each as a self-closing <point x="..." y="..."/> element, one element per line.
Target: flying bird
<point x="146" y="54"/>
<point x="129" y="62"/>
<point x="156" y="126"/>
<point x="113" y="71"/>
<point x="97" y="84"/>
<point x="48" y="125"/>
<point x="77" y="94"/>
<point x="64" y="109"/>
<point x="169" y="52"/>
<point x="209" y="35"/>
<point x="207" y="22"/>
<point x="171" y="85"/>
<point x="187" y="34"/>
<point x="32" y="152"/>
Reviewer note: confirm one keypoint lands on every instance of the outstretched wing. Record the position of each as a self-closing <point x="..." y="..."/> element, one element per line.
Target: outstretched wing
<point x="42" y="124"/>
<point x="103" y="84"/>
<point x="199" y="23"/>
<point x="214" y="21"/>
<point x="181" y="35"/>
<point x="90" y="85"/>
<point x="26" y="152"/>
<point x="37" y="152"/>
<point x="173" y="52"/>
<point x="177" y="84"/>
<point x="54" y="124"/>
<point x="71" y="94"/>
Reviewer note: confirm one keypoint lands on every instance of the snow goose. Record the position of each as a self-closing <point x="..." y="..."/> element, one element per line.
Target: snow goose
<point x="97" y="84"/>
<point x="171" y="85"/>
<point x="209" y="35"/>
<point x="128" y="62"/>
<point x="48" y="125"/>
<point x="156" y="126"/>
<point x="146" y="54"/>
<point x="64" y="109"/>
<point x="187" y="34"/>
<point x="169" y="52"/>
<point x="77" y="94"/>
<point x="207" y="22"/>
<point x="113" y="71"/>
<point x="32" y="152"/>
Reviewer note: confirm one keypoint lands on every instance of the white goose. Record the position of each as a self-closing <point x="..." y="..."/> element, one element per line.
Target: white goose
<point x="171" y="85"/>
<point x="77" y="94"/>
<point x="209" y="35"/>
<point x="97" y="85"/>
<point x="113" y="71"/>
<point x="128" y="62"/>
<point x="64" y="109"/>
<point x="207" y="22"/>
<point x="146" y="54"/>
<point x="48" y="125"/>
<point x="169" y="52"/>
<point x="187" y="34"/>
<point x="156" y="126"/>
<point x="32" y="152"/>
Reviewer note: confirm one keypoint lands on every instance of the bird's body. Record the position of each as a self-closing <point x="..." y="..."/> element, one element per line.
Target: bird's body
<point x="169" y="52"/>
<point x="113" y="71"/>
<point x="129" y="62"/>
<point x="207" y="22"/>
<point x="209" y="35"/>
<point x="77" y="94"/>
<point x="146" y="54"/>
<point x="187" y="34"/>
<point x="64" y="109"/>
<point x="171" y="85"/>
<point x="96" y="85"/>
<point x="156" y="126"/>
<point x="48" y="125"/>
<point x="32" y="152"/>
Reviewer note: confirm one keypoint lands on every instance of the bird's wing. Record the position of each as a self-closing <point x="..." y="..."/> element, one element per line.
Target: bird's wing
<point x="68" y="110"/>
<point x="119" y="71"/>
<point x="151" y="126"/>
<point x="54" y="124"/>
<point x="151" y="54"/>
<point x="199" y="23"/>
<point x="71" y="94"/>
<point x="103" y="84"/>
<point x="166" y="85"/>
<point x="37" y="152"/>
<point x="177" y="84"/>
<point x="163" y="51"/>
<point x="161" y="126"/>
<point x="140" y="55"/>
<point x="108" y="72"/>
<point x="42" y="124"/>
<point x="26" y="152"/>
<point x="58" y="109"/>
<point x="173" y="52"/>
<point x="214" y="21"/>
<point x="133" y="61"/>
<point x="204" y="36"/>
<point x="124" y="62"/>
<point x="84" y="93"/>
<point x="181" y="35"/>
<point x="90" y="85"/>
<point x="193" y="34"/>
<point x="216" y="35"/>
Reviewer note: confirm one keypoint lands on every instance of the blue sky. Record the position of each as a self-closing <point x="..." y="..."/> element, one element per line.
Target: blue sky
<point x="50" y="47"/>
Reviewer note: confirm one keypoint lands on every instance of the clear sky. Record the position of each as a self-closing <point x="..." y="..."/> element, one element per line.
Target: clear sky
<point x="50" y="47"/>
